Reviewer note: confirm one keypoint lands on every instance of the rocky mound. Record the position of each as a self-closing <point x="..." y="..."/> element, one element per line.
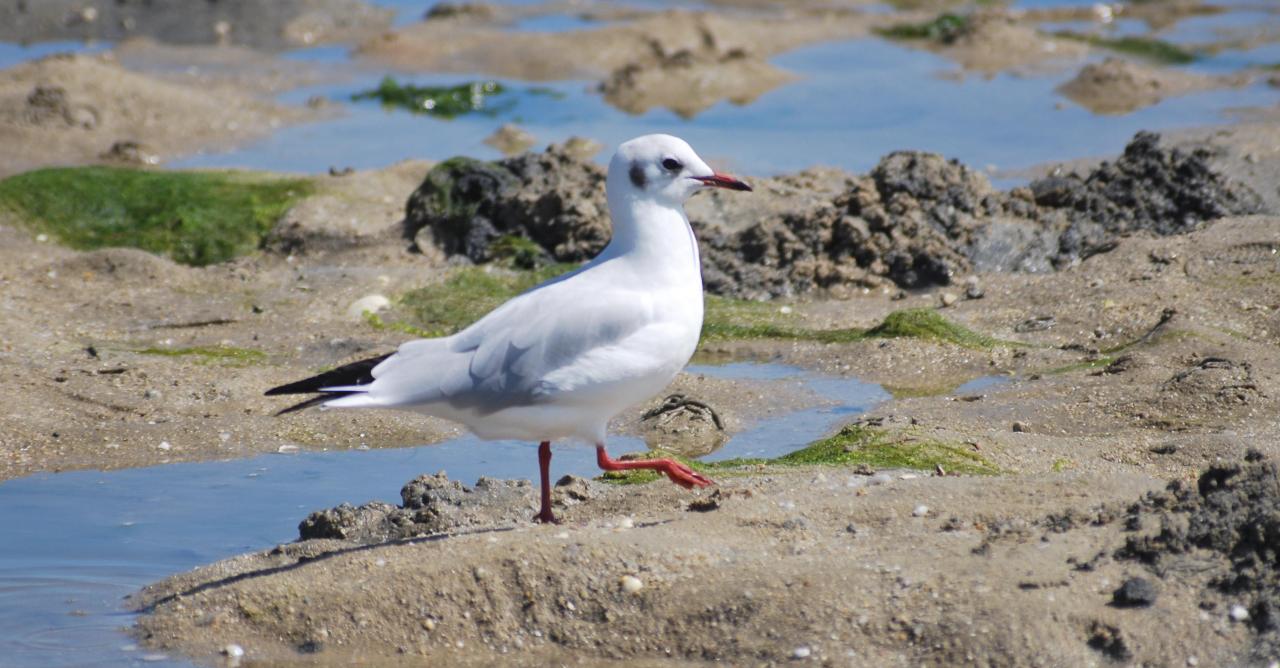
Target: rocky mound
<point x="1228" y="524"/>
<point x="555" y="199"/>
<point x="916" y="220"/>
<point x="1149" y="188"/>
<point x="430" y="504"/>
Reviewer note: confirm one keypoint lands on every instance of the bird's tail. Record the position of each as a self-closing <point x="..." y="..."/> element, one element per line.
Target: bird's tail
<point x="343" y="387"/>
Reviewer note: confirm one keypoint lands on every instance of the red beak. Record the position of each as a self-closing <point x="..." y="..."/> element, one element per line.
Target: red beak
<point x="723" y="181"/>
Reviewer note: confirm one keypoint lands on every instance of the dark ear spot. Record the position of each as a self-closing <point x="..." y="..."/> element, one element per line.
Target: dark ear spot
<point x="637" y="175"/>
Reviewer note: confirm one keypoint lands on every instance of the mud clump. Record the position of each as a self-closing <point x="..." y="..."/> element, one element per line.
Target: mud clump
<point x="554" y="198"/>
<point x="1149" y="188"/>
<point x="1229" y="524"/>
<point x="683" y="425"/>
<point x="915" y="220"/>
<point x="430" y="504"/>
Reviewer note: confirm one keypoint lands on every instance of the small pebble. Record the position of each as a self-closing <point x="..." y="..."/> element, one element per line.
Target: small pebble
<point x="1019" y="427"/>
<point x="287" y="449"/>
<point x="801" y="652"/>
<point x="949" y="298"/>
<point x="631" y="584"/>
<point x="367" y="304"/>
<point x="920" y="511"/>
<point x="1238" y="613"/>
<point x="164" y="445"/>
<point x="626" y="523"/>
<point x="1134" y="593"/>
<point x="233" y="650"/>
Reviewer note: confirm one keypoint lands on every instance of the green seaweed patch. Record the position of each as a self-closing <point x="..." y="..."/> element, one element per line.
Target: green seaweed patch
<point x="439" y="101"/>
<point x="518" y="252"/>
<point x="740" y="319"/>
<point x="1143" y="47"/>
<point x="195" y="218"/>
<point x="469" y="293"/>
<point x="927" y="324"/>
<point x="857" y="444"/>
<point x="854" y="445"/>
<point x="229" y="355"/>
<point x="944" y="29"/>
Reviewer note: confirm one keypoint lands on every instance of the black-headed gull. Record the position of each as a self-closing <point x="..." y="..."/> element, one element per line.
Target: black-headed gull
<point x="562" y="359"/>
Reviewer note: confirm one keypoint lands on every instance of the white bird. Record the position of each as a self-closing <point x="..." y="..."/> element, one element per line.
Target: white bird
<point x="562" y="359"/>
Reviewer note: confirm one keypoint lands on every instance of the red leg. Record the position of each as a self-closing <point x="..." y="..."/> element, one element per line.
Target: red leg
<point x="544" y="468"/>
<point x="678" y="473"/>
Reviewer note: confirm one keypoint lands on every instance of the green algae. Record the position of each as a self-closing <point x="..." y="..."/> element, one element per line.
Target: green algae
<point x="944" y="29"/>
<point x="929" y="325"/>
<point x="854" y="445"/>
<point x="196" y="218"/>
<point x="1144" y="47"/>
<point x="471" y="292"/>
<point x="468" y="294"/>
<point x="228" y="355"/>
<point x="880" y="448"/>
<point x="439" y="101"/>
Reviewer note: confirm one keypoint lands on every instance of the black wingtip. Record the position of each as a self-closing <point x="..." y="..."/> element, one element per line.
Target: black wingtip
<point x="355" y="373"/>
<point x="308" y="403"/>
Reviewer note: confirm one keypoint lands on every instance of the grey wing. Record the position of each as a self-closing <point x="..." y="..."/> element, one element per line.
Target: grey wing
<point x="520" y="353"/>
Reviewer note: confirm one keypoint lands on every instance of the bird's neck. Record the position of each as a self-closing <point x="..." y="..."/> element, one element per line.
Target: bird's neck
<point x="657" y="235"/>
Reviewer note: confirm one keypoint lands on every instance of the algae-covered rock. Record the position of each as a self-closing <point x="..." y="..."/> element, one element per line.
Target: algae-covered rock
<point x="554" y="198"/>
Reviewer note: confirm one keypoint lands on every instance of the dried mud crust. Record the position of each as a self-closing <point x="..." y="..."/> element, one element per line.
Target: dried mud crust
<point x="916" y="220"/>
<point x="86" y="109"/>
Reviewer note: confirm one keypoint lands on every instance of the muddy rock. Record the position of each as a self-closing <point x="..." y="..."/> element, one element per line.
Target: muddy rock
<point x="553" y="198"/>
<point x="907" y="222"/>
<point x="1117" y="86"/>
<point x="683" y="425"/>
<point x="429" y="504"/>
<point x="1149" y="188"/>
<point x="690" y="81"/>
<point x="511" y="139"/>
<point x="1228" y="523"/>
<point x="916" y="220"/>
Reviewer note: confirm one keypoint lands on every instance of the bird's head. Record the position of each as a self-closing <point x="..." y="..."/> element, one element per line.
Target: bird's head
<point x="665" y="168"/>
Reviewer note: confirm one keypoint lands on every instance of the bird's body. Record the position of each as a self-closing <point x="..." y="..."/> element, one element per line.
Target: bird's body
<point x="562" y="359"/>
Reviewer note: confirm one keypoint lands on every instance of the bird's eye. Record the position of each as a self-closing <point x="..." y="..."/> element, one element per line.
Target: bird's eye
<point x="671" y="164"/>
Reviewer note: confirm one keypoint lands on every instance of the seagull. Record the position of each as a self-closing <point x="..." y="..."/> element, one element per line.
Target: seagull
<point x="562" y="359"/>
